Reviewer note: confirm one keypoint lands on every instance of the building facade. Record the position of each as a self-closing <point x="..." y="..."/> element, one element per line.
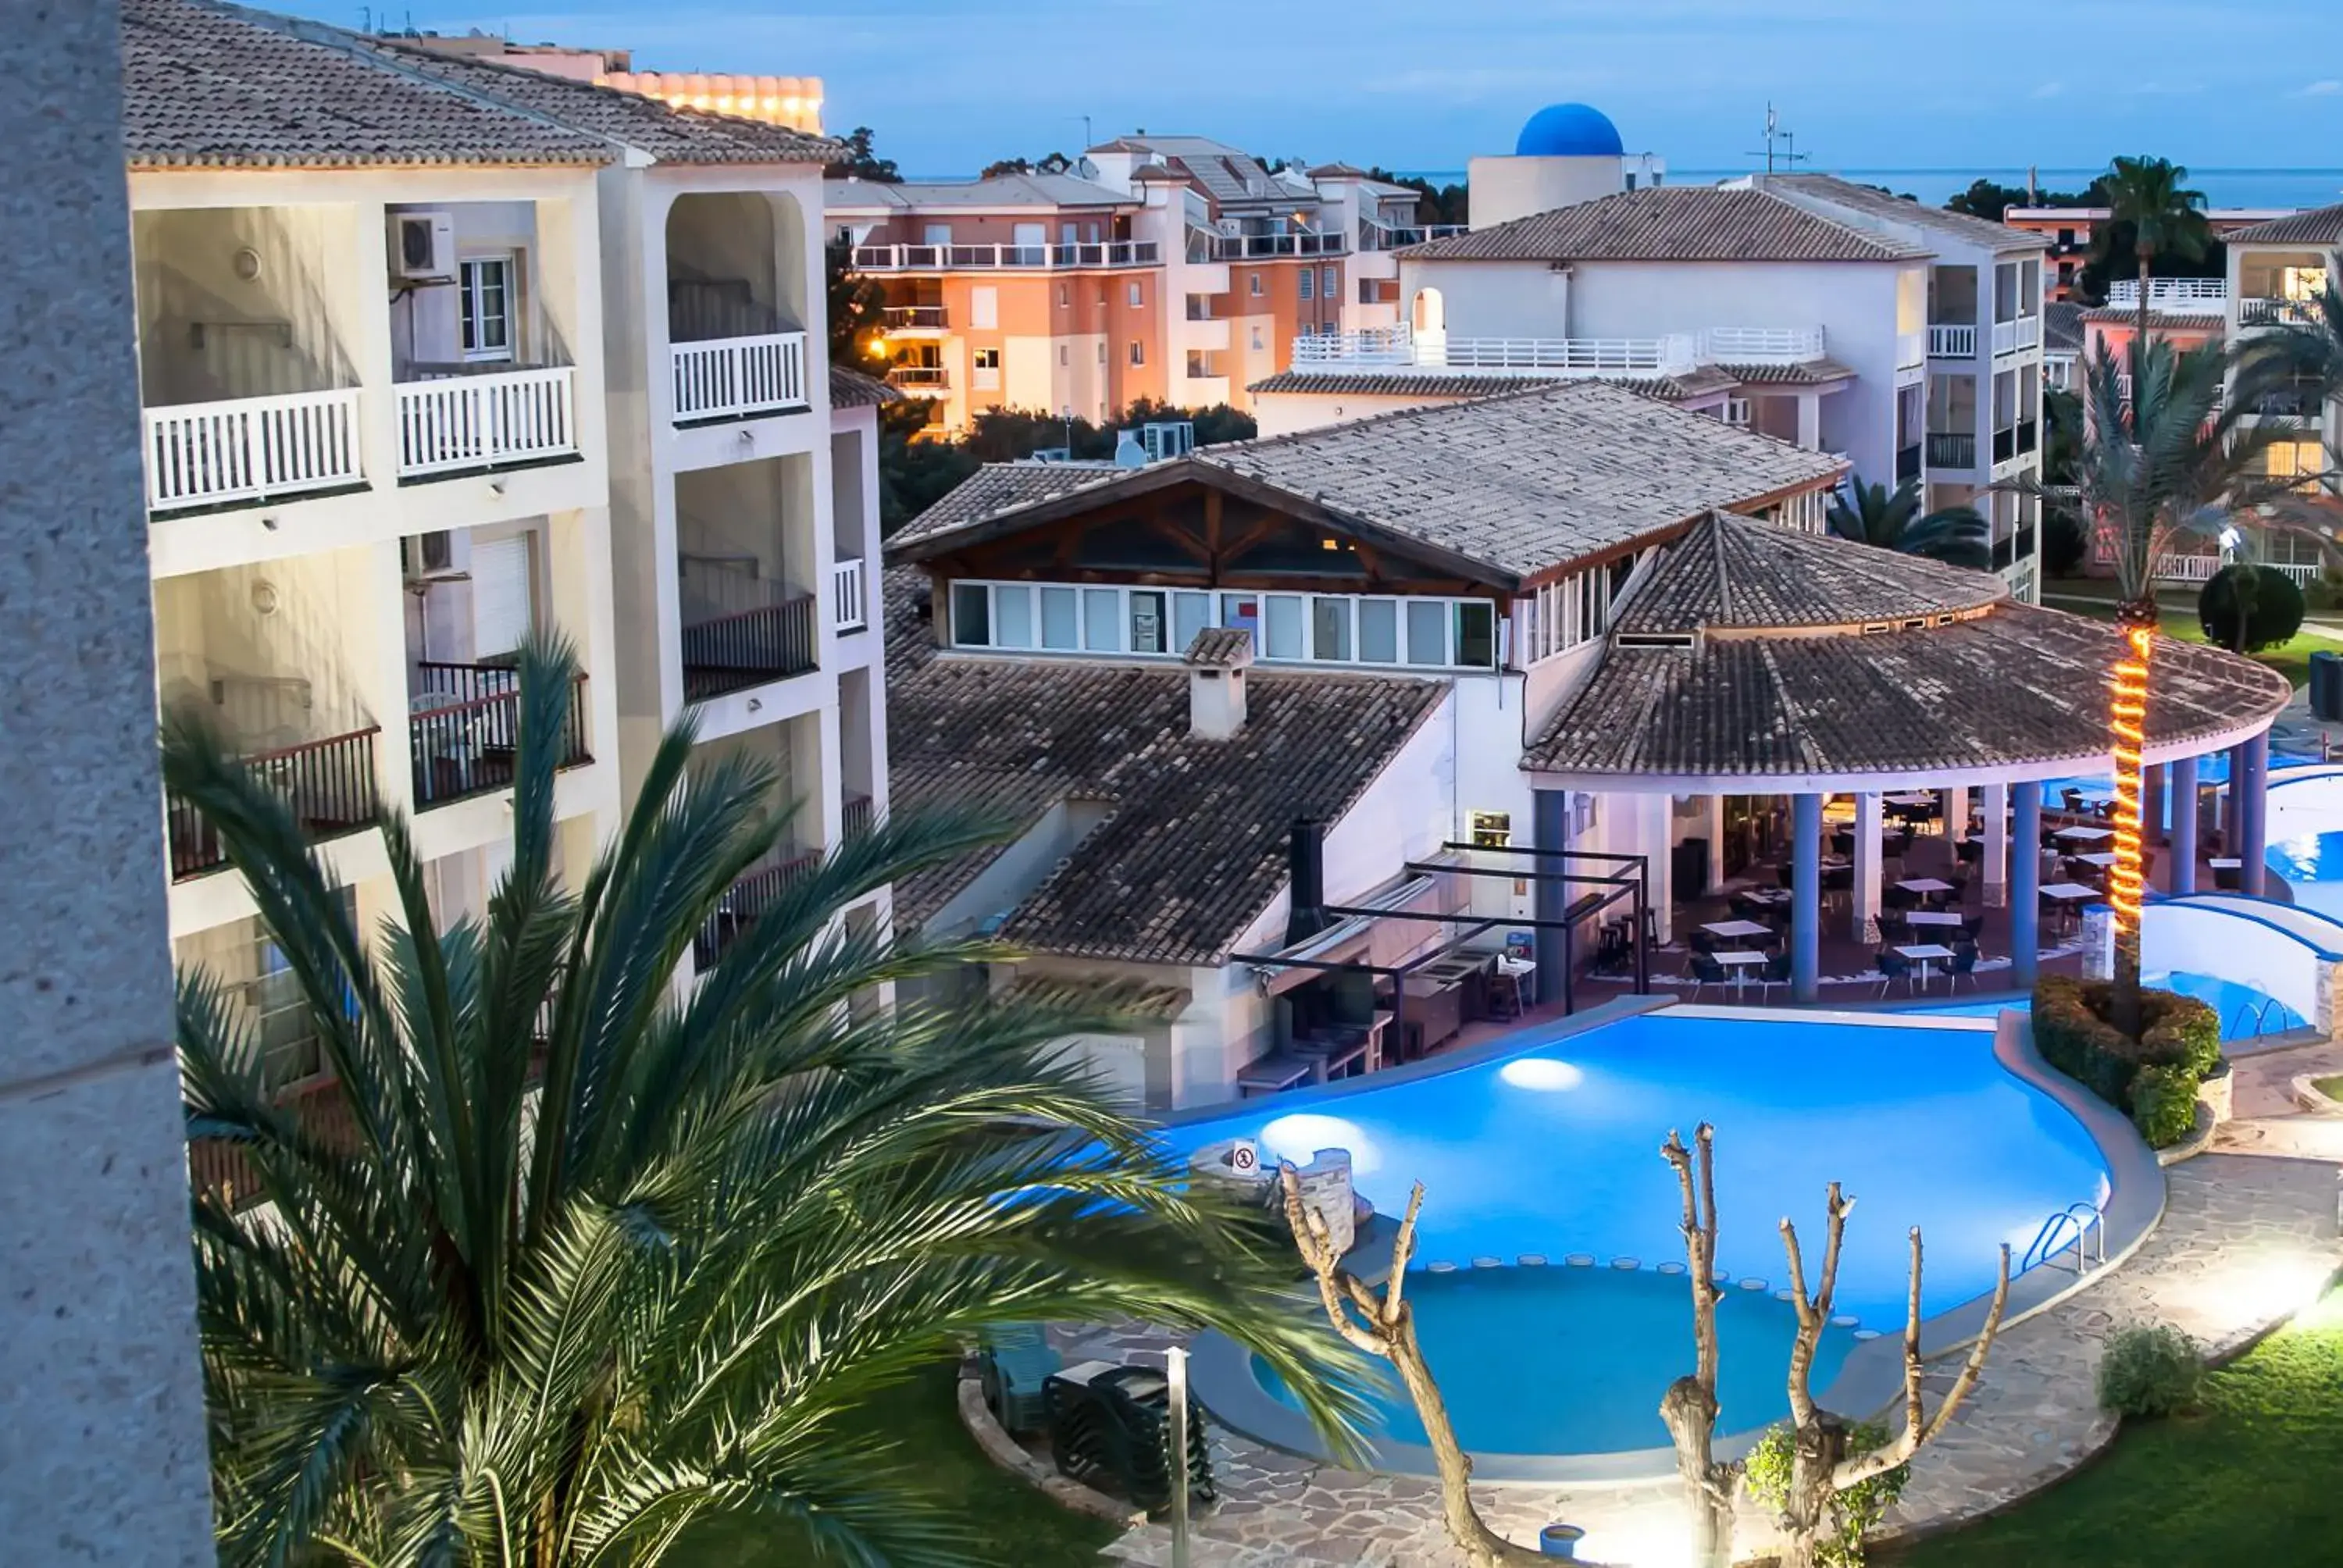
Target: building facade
<point x="2070" y="234"/>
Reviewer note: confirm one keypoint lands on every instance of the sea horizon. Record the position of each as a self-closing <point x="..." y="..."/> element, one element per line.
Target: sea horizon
<point x="2223" y="188"/>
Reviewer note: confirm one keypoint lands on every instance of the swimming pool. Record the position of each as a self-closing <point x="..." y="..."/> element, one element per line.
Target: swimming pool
<point x="1548" y="1145"/>
<point x="2312" y="867"/>
<point x="2245" y="1013"/>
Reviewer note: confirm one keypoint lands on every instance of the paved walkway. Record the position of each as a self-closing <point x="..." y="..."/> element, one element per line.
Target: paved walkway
<point x="2247" y="1240"/>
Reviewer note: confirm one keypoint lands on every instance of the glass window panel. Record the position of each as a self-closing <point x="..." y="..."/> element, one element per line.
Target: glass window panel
<point x="1284" y="627"/>
<point x="1103" y="619"/>
<point x="1012" y="616"/>
<point x="1242" y="610"/>
<point x="972" y="613"/>
<point x="1061" y="611"/>
<point x="1330" y="631"/>
<point x="1427" y="632"/>
<point x="1146" y="622"/>
<point x="1191" y="613"/>
<point x="1378" y="628"/>
<point x="1476" y="636"/>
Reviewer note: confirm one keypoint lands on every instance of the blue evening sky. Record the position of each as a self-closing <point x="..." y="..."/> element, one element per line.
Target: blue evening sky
<point x="1880" y="84"/>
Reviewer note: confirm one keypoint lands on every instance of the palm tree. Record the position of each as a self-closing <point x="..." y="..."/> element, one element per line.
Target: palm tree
<point x="2149" y="198"/>
<point x="1956" y="536"/>
<point x="2163" y="455"/>
<point x="599" y="1256"/>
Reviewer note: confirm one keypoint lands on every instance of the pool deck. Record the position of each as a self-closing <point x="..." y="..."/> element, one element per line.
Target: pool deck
<point x="2247" y="1239"/>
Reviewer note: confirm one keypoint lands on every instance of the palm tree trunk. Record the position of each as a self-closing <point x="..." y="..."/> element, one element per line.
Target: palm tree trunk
<point x="2126" y="724"/>
<point x="2139" y="344"/>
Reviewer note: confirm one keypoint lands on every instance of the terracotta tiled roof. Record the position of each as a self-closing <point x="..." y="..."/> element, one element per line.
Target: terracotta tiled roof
<point x="2320" y="225"/>
<point x="1192" y="849"/>
<point x="2121" y="314"/>
<point x="853" y="389"/>
<point x="1732" y="575"/>
<point x="1512" y="484"/>
<point x="1671" y="222"/>
<point x="208" y="84"/>
<point x="1220" y="648"/>
<point x="1799" y="373"/>
<point x="2062" y="327"/>
<point x="1872" y="202"/>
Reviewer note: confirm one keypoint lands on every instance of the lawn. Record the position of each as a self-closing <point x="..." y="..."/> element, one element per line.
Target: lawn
<point x="2095" y="595"/>
<point x="1011" y="1525"/>
<point x="2250" y="1480"/>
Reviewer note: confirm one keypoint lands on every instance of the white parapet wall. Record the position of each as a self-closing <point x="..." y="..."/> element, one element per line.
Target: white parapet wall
<point x="2285" y="953"/>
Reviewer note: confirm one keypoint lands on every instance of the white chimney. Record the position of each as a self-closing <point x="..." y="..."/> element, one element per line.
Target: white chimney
<point x="1217" y="662"/>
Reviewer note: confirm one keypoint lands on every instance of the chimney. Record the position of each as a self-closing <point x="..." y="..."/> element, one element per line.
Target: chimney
<point x="1216" y="661"/>
<point x="1305" y="877"/>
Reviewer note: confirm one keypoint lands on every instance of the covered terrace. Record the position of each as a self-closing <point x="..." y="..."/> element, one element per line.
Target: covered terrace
<point x="1867" y="738"/>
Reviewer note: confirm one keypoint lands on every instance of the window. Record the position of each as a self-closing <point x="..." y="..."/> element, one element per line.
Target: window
<point x="1101" y="351"/>
<point x="1064" y="355"/>
<point x="1060" y="609"/>
<point x="1306" y="278"/>
<point x="1476" y="636"/>
<point x="1065" y="297"/>
<point x="486" y="308"/>
<point x="1191" y="613"/>
<point x="1254" y="287"/>
<point x="1330" y="631"/>
<point x="1136" y="294"/>
<point x="1138" y="352"/>
<point x="984" y="307"/>
<point x="1491" y="830"/>
<point x="1256" y="338"/>
<point x="1102" y="620"/>
<point x="1427" y="632"/>
<point x="972" y="615"/>
<point x="1012" y="617"/>
<point x="1737" y="411"/>
<point x="987" y="364"/>
<point x="935" y="234"/>
<point x="1282" y="636"/>
<point x="1146" y="622"/>
<point x="1378" y="628"/>
<point x="1330" y="286"/>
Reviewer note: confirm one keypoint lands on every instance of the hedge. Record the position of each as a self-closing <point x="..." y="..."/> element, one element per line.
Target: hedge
<point x="2177" y="1033"/>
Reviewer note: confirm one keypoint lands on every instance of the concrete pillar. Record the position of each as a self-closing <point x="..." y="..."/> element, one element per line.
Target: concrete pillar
<point x="2025" y="884"/>
<point x="2233" y="821"/>
<point x="1956" y="819"/>
<point x="103" y="1449"/>
<point x="1865" y="902"/>
<point x="1550" y="829"/>
<point x="1810" y="421"/>
<point x="2151" y="819"/>
<point x="1658" y="814"/>
<point x="1995" y="861"/>
<point x="2252" y="815"/>
<point x="1806" y="896"/>
<point x="1716" y="831"/>
<point x="2183" y="798"/>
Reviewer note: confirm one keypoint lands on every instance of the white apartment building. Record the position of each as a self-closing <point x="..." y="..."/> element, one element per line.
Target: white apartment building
<point x="437" y="353"/>
<point x="1907" y="340"/>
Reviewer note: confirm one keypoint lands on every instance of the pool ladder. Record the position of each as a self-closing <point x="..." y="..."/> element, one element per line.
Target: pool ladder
<point x="2260" y="1016"/>
<point x="2081" y="1228"/>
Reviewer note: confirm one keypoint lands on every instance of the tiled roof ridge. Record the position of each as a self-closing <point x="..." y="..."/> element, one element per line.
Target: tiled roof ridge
<point x="1852" y="230"/>
<point x="2292" y="225"/>
<point x="1716" y="537"/>
<point x="1475" y="246"/>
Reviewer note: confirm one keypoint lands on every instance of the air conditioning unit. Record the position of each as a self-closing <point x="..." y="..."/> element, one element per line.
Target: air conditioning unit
<point x="422" y="244"/>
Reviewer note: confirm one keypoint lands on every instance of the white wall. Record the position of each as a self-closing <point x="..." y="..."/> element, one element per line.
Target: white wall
<point x="1284" y="413"/>
<point x="1492" y="298"/>
<point x="2235" y="947"/>
<point x="1509" y="187"/>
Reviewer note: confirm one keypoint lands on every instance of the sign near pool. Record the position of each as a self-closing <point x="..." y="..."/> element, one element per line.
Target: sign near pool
<point x="1244" y="1157"/>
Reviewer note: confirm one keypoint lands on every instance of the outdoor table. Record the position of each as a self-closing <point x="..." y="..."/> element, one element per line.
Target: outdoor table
<point x="2100" y="858"/>
<point x="1931" y="917"/>
<point x="2068" y="894"/>
<point x="2226" y="863"/>
<point x="1929" y="887"/>
<point x="2085" y="835"/>
<point x="1732" y="931"/>
<point x="1923" y="954"/>
<point x="1910" y="800"/>
<point x="1740" y="960"/>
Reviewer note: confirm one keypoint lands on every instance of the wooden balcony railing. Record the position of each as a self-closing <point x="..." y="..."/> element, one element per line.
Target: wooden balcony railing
<point x="749" y="647"/>
<point x="464" y="738"/>
<point x="750" y="896"/>
<point x="329" y="784"/>
<point x="858" y="814"/>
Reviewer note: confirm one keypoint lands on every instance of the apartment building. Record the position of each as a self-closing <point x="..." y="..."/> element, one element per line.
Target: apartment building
<point x="1172" y="268"/>
<point x="437" y="352"/>
<point x="2070" y="234"/>
<point x="1905" y="340"/>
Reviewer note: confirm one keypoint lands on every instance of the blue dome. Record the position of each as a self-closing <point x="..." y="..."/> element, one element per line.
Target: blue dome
<point x="1569" y="131"/>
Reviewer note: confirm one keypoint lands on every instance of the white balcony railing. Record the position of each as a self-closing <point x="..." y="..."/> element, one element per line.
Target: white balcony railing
<point x="1256" y="246"/>
<point x="1000" y="257"/>
<point x="725" y="377"/>
<point x="457" y="422"/>
<point x="847" y="598"/>
<point x="1952" y="342"/>
<point x="251" y="448"/>
<point x="2010" y="337"/>
<point x="1374" y="236"/>
<point x="2190" y="295"/>
<point x="1397" y="347"/>
<point x="2278" y="313"/>
<point x="1911" y="350"/>
<point x="2182" y="567"/>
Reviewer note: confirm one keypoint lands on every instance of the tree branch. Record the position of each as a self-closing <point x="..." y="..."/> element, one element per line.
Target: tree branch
<point x="1914" y="1436"/>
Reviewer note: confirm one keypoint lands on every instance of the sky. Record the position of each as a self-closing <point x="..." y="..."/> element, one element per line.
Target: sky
<point x="951" y="84"/>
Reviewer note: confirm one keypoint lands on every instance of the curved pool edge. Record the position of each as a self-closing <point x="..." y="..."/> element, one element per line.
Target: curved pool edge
<point x="1870" y="1380"/>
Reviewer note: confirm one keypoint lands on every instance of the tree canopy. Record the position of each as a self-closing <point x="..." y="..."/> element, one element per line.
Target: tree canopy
<point x="2245" y="608"/>
<point x="863" y="161"/>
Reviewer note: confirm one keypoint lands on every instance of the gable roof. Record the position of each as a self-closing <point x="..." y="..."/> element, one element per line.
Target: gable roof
<point x="1009" y="190"/>
<point x="1191" y="848"/>
<point x="1671" y="222"/>
<point x="1730" y="574"/>
<point x="853" y="389"/>
<point x="2320" y="225"/>
<point x="2061" y="327"/>
<point x="1999" y="237"/>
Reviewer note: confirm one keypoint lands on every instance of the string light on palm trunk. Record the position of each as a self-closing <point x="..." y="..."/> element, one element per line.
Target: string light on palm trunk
<point x="2127" y="719"/>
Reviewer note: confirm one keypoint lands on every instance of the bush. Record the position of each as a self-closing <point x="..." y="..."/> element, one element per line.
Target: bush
<point x="2063" y="545"/>
<point x="2163" y="1104"/>
<point x="1856" y="1511"/>
<point x="2245" y="608"/>
<point x="2149" y="1371"/>
<point x="2177" y="1032"/>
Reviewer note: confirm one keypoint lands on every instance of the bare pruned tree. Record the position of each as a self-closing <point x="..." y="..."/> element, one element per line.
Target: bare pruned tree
<point x="1690" y="1407"/>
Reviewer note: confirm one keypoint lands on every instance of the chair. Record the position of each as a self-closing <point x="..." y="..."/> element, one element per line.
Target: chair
<point x="1783" y="871"/>
<point x="2073" y="799"/>
<point x="1700" y="941"/>
<point x="1014" y="1360"/>
<point x="1969" y="852"/>
<point x="1964" y="965"/>
<point x="1775" y="972"/>
<point x="2227" y="878"/>
<point x="1892" y="967"/>
<point x="1705" y="971"/>
<point x="1898" y="900"/>
<point x="1970" y="925"/>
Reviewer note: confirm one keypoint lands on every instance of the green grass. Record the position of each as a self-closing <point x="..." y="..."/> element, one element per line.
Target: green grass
<point x="2096" y="596"/>
<point x="1011" y="1525"/>
<point x="2250" y="1480"/>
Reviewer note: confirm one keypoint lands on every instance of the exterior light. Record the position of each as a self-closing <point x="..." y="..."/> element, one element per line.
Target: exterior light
<point x="2128" y="715"/>
<point x="1542" y="1074"/>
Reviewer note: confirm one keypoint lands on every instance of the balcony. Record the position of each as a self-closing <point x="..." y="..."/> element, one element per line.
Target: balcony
<point x="329" y="786"/>
<point x="2173" y="295"/>
<point x="2278" y="313"/>
<point x="250" y="449"/>
<point x="1373" y="351"/>
<point x="2016" y="336"/>
<point x="736" y="377"/>
<point x="1953" y="340"/>
<point x="464" y="730"/>
<point x="1397" y="237"/>
<point x="734" y="651"/>
<point x="749" y="898"/>
<point x="457" y="421"/>
<point x="1907" y="463"/>
<point x="1266" y="247"/>
<point x="850" y="597"/>
<point x="859" y="811"/>
<point x="917" y="318"/>
<point x="2005" y="444"/>
<point x="920" y="380"/>
<point x="1005" y="257"/>
<point x="1951" y="449"/>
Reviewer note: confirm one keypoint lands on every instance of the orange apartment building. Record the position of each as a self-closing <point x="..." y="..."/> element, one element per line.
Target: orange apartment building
<point x="2068" y="232"/>
<point x="1171" y="268"/>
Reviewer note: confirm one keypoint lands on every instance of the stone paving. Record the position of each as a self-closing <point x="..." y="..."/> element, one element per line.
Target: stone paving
<point x="2247" y="1240"/>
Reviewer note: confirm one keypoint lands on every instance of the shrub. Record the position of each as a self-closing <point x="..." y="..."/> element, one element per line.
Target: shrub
<point x="1854" y="1512"/>
<point x="2247" y="609"/>
<point x="2163" y="1104"/>
<point x="2149" y="1370"/>
<point x="2177" y="1032"/>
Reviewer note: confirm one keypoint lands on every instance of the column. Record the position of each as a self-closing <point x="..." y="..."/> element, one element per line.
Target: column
<point x="1996" y="862"/>
<point x="1865" y="902"/>
<point x="1955" y="803"/>
<point x="2025" y="884"/>
<point x="2183" y="797"/>
<point x="2233" y="821"/>
<point x="103" y="1449"/>
<point x="1716" y="872"/>
<point x="2151" y="819"/>
<point x="2253" y="815"/>
<point x="1658" y="835"/>
<point x="1550" y="897"/>
<point x="1806" y="896"/>
<point x="1810" y="421"/>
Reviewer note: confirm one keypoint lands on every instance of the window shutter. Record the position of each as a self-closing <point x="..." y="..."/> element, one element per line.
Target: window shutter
<point x="501" y="618"/>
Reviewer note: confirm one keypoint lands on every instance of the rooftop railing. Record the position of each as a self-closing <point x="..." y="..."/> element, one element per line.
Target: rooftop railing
<point x="1005" y="257"/>
<point x="2189" y="294"/>
<point x="1397" y="347"/>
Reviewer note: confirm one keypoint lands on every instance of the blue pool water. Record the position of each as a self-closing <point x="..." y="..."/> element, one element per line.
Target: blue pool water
<point x="2244" y="1011"/>
<point x="2313" y="868"/>
<point x="1587" y="1353"/>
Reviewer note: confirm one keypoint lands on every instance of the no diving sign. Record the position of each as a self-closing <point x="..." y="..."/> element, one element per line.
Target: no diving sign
<point x="1244" y="1157"/>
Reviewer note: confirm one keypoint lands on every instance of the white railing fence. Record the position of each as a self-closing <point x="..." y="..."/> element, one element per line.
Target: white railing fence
<point x="457" y="422"/>
<point x="2163" y="293"/>
<point x="2184" y="568"/>
<point x="726" y="376"/>
<point x="2278" y="312"/>
<point x="993" y="257"/>
<point x="847" y="597"/>
<point x="1397" y="346"/>
<point x="204" y="454"/>
<point x="1952" y="342"/>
